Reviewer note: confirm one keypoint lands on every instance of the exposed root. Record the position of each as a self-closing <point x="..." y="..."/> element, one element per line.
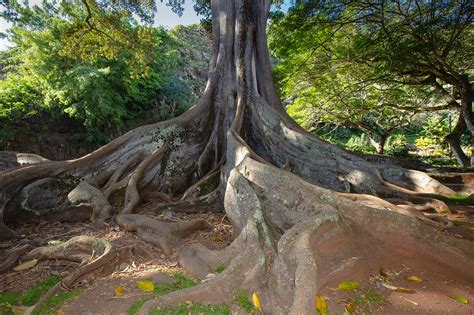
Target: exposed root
<point x="132" y="196"/>
<point x="292" y="244"/>
<point x="120" y="171"/>
<point x="205" y="185"/>
<point x="11" y="160"/>
<point x="12" y="257"/>
<point x="207" y="203"/>
<point x="90" y="252"/>
<point x="163" y="234"/>
<point x="87" y="194"/>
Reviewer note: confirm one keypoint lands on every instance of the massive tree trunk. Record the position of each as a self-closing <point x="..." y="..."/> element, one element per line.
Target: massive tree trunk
<point x="300" y="207"/>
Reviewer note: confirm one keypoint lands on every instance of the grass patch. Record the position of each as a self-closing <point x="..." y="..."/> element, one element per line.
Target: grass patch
<point x="219" y="269"/>
<point x="182" y="282"/>
<point x="367" y="300"/>
<point x="54" y="302"/>
<point x="32" y="295"/>
<point x="243" y="299"/>
<point x="186" y="309"/>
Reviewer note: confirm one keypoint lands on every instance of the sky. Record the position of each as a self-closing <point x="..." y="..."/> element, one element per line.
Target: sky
<point x="164" y="16"/>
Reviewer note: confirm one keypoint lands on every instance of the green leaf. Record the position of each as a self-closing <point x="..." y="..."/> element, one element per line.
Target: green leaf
<point x="460" y="299"/>
<point x="146" y="285"/>
<point x="347" y="286"/>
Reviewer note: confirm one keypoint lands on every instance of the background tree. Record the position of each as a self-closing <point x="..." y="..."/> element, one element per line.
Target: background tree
<point x="101" y="74"/>
<point x="294" y="231"/>
<point x="400" y="42"/>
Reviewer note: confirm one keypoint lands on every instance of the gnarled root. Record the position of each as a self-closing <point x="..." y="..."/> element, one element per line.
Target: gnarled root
<point x="163" y="234"/>
<point x="86" y="194"/>
<point x="295" y="238"/>
<point x="91" y="252"/>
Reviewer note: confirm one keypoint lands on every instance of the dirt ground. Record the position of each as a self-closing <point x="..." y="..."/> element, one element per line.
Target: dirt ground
<point x="139" y="260"/>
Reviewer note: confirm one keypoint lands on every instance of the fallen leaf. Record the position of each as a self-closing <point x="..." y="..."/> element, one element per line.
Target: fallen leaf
<point x="321" y="306"/>
<point x="119" y="291"/>
<point x="219" y="239"/>
<point x="398" y="289"/>
<point x="350" y="308"/>
<point x="383" y="273"/>
<point x="146" y="285"/>
<point x="26" y="265"/>
<point x="414" y="279"/>
<point x="347" y="286"/>
<point x="460" y="299"/>
<point x="256" y="302"/>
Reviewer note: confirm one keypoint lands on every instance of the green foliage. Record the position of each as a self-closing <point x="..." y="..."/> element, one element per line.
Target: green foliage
<point x="193" y="309"/>
<point x="369" y="66"/>
<point x="102" y="68"/>
<point x="360" y="144"/>
<point x="397" y="145"/>
<point x="243" y="300"/>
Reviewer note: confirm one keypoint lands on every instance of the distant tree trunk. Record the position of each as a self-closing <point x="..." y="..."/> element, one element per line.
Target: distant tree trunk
<point x="378" y="144"/>
<point x="454" y="140"/>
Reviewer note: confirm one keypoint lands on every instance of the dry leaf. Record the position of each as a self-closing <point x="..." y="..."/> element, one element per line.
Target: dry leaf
<point x="460" y="299"/>
<point x="347" y="286"/>
<point x="219" y="239"/>
<point x="350" y="308"/>
<point x="321" y="306"/>
<point x="146" y="285"/>
<point x="256" y="302"/>
<point x="414" y="279"/>
<point x="119" y="291"/>
<point x="26" y="265"/>
<point x="398" y="289"/>
<point x="383" y="273"/>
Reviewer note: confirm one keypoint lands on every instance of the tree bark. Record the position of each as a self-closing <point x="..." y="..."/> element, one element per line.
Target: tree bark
<point x="300" y="207"/>
<point x="454" y="140"/>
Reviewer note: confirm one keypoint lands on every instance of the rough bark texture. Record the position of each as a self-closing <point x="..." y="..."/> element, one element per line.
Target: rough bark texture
<point x="300" y="206"/>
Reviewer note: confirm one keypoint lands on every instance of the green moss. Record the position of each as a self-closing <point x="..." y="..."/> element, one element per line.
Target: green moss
<point x="243" y="299"/>
<point x="186" y="309"/>
<point x="182" y="282"/>
<point x="219" y="269"/>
